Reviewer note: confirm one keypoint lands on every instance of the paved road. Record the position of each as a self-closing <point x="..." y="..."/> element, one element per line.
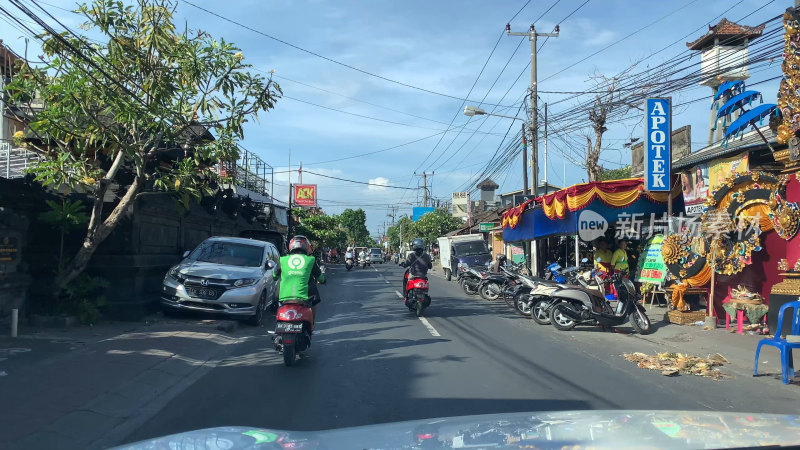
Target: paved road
<point x="374" y="362"/>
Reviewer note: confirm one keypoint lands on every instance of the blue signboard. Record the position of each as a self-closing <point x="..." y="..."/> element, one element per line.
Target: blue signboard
<point x="419" y="211"/>
<point x="657" y="143"/>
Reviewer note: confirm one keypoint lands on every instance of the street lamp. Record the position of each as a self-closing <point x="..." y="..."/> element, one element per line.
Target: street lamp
<point x="471" y="111"/>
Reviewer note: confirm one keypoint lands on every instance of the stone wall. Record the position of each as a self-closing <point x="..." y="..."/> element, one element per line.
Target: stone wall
<point x="134" y="258"/>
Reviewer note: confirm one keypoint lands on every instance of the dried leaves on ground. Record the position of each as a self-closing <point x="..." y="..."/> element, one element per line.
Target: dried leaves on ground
<point x="671" y="364"/>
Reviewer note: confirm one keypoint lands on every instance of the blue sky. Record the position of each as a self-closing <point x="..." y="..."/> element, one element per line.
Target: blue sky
<point x="441" y="46"/>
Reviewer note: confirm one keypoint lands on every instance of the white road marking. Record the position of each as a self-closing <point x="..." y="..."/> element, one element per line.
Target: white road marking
<point x="430" y="328"/>
<point x="398" y="293"/>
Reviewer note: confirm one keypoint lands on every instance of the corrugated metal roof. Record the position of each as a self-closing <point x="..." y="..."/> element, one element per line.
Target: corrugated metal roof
<point x="749" y="141"/>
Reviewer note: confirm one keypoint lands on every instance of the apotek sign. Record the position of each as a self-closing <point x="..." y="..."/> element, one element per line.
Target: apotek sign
<point x="305" y="195"/>
<point x="657" y="143"/>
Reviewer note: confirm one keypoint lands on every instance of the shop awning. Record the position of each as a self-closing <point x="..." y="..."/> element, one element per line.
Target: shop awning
<point x="559" y="212"/>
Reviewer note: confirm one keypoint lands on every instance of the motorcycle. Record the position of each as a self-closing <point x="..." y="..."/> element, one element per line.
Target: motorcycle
<point x="588" y="306"/>
<point x="294" y="328"/>
<point x="470" y="277"/>
<point x="348" y="261"/>
<point x="415" y="293"/>
<point x="495" y="284"/>
<point x="363" y="261"/>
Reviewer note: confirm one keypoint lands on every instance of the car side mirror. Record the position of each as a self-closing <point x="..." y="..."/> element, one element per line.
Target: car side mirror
<point x="270" y="264"/>
<point x="186" y="253"/>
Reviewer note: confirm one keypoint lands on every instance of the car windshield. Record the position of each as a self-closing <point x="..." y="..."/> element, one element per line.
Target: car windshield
<point x="228" y="253"/>
<point x="376" y="252"/>
<point x="471" y="248"/>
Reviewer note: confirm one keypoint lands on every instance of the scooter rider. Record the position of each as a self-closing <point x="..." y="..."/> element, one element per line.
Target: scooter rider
<point x="299" y="273"/>
<point x="418" y="262"/>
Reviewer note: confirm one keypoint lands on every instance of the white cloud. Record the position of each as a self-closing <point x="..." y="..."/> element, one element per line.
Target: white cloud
<point x="380" y="180"/>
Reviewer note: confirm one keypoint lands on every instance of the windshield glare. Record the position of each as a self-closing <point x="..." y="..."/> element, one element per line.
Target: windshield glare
<point x="228" y="253"/>
<point x="471" y="248"/>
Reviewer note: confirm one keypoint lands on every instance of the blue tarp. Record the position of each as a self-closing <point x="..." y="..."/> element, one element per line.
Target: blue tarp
<point x="534" y="223"/>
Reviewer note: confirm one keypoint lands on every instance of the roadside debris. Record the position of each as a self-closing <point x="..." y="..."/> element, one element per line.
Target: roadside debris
<point x="672" y="364"/>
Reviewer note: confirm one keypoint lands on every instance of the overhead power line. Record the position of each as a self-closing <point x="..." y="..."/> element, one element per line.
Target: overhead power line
<point x="359" y="182"/>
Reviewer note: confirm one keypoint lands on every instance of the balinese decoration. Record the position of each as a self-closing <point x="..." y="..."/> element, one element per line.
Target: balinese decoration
<point x="788" y="95"/>
<point x="616" y="194"/>
<point x="748" y="118"/>
<point x="736" y="215"/>
<point x="685" y="257"/>
<point x="736" y="103"/>
<point x="510" y="218"/>
<point x="785" y="216"/>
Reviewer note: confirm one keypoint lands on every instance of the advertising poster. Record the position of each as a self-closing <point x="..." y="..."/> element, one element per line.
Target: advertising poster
<point x="694" y="185"/>
<point x="305" y="195"/>
<point x="651" y="264"/>
<point x="721" y="169"/>
<point x="460" y="200"/>
<point x="517" y="253"/>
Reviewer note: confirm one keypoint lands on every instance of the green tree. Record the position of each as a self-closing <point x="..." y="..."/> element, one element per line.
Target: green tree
<point x="354" y="223"/>
<point x="65" y="217"/>
<point x="115" y="105"/>
<point x="436" y="224"/>
<point x="614" y="174"/>
<point x="404" y="224"/>
<point x="322" y="230"/>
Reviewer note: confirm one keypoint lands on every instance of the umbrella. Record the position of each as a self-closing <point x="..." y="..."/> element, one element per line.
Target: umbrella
<point x="728" y="87"/>
<point x="738" y="101"/>
<point x="740" y="124"/>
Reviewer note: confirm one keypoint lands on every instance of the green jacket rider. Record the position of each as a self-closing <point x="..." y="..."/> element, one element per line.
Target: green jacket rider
<point x="299" y="273"/>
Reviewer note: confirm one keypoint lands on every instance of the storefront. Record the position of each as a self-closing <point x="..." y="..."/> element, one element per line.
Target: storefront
<point x="584" y="212"/>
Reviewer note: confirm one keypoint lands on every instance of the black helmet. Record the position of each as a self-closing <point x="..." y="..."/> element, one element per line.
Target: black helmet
<point x="418" y="245"/>
<point x="501" y="257"/>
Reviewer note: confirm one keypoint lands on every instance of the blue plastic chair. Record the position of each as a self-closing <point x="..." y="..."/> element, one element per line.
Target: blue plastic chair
<point x="787" y="363"/>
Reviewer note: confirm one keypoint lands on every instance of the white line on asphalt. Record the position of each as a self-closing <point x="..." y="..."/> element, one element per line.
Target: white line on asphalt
<point x="398" y="293"/>
<point x="430" y="328"/>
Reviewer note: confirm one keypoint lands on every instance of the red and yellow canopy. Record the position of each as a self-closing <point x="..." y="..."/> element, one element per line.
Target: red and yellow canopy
<point x="617" y="194"/>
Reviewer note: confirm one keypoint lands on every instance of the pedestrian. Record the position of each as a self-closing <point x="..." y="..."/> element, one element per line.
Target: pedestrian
<point x="619" y="260"/>
<point x="602" y="255"/>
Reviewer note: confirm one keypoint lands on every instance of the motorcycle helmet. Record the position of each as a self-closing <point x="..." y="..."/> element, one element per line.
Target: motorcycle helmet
<point x="501" y="258"/>
<point x="418" y="245"/>
<point x="301" y="244"/>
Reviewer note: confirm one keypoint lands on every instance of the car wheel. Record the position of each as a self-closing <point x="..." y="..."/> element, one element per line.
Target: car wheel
<point x="448" y="275"/>
<point x="257" y="318"/>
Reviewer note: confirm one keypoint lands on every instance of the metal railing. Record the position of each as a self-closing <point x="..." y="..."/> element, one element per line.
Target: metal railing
<point x="14" y="162"/>
<point x="249" y="172"/>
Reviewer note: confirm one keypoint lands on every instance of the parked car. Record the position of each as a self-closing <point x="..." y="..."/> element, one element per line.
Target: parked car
<point x="224" y="275"/>
<point x="375" y="255"/>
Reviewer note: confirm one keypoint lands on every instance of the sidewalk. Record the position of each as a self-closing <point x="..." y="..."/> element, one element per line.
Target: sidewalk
<point x="89" y="387"/>
<point x="739" y="349"/>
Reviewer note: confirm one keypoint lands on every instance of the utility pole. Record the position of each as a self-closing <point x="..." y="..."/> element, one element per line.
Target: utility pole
<point x="525" y="190"/>
<point x="532" y="35"/>
<point x="534" y="123"/>
<point x="425" y="185"/>
<point x="289" y="211"/>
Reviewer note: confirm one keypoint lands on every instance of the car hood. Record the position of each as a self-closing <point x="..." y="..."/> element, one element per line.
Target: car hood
<point x="598" y="429"/>
<point x="219" y="271"/>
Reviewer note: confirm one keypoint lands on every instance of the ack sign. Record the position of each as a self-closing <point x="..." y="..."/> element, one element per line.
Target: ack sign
<point x="658" y="143"/>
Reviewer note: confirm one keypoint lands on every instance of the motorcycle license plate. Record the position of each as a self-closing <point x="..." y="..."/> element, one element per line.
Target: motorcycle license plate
<point x="202" y="293"/>
<point x="289" y="327"/>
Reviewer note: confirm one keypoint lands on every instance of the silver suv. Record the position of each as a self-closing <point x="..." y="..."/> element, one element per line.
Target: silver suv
<point x="224" y="275"/>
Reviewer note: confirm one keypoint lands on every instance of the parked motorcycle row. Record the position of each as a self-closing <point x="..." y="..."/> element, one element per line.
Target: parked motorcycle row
<point x="564" y="298"/>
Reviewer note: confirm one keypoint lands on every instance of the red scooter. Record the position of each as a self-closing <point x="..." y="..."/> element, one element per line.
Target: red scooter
<point x="415" y="293"/>
<point x="294" y="327"/>
<point x="293" y="330"/>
